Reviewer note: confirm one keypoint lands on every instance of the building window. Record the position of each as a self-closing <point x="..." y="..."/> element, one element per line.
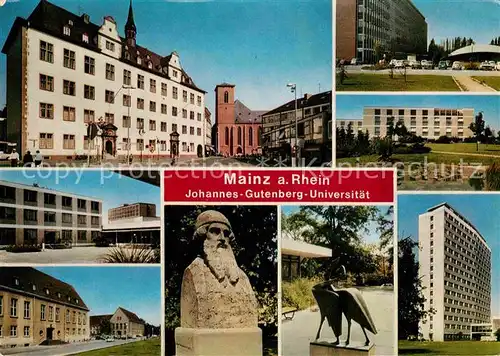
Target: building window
<point x="152" y="86"/>
<point x="163" y="127"/>
<point x="174" y="111"/>
<point x="184" y="113"/>
<point x="174" y="127"/>
<point x="26" y="331"/>
<point x="58" y="314"/>
<point x="69" y="87"/>
<point x="89" y="92"/>
<point x="27" y="310"/>
<point x="67" y="31"/>
<point x="163" y="145"/>
<point x="109" y="96"/>
<point x="127" y="77"/>
<point x="184" y="130"/>
<point x="51" y="313"/>
<point x="140" y="124"/>
<point x="164" y="109"/>
<point x="46" y="82"/>
<point x="86" y="143"/>
<point x="13" y="330"/>
<point x="198" y="131"/>
<point x="191" y="130"/>
<point x="126" y="121"/>
<point x="85" y="38"/>
<point x="127" y="100"/>
<point x="89" y="66"/>
<point x="46" y="52"/>
<point x="140" y="81"/>
<point x="69" y="59"/>
<point x="46" y="141"/>
<point x="69" y="113"/>
<point x="13" y="307"/>
<point x="152" y="125"/>
<point x="140" y="103"/>
<point x="239" y="136"/>
<point x="110" y="46"/>
<point x="46" y="111"/>
<point x="185" y="96"/>
<point x="198" y="100"/>
<point x="191" y="98"/>
<point x="140" y="144"/>
<point x="226" y="97"/>
<point x="174" y="93"/>
<point x="110" y="71"/>
<point x="191" y="115"/>
<point x="152" y="106"/>
<point x="174" y="73"/>
<point x="88" y="116"/>
<point x="250" y="136"/>
<point x="198" y="116"/>
<point x="226" y="136"/>
<point x="69" y="142"/>
<point x="164" y="90"/>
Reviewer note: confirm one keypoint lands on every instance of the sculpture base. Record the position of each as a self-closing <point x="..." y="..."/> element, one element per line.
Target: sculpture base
<point x="218" y="342"/>
<point x="323" y="348"/>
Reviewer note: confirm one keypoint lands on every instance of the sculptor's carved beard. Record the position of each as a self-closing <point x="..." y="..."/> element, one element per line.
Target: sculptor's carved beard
<point x="221" y="261"/>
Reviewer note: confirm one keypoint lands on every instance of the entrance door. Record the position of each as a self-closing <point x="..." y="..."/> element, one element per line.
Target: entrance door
<point x="200" y="151"/>
<point x="50" y="331"/>
<point x="109" y="147"/>
<point x="50" y="237"/>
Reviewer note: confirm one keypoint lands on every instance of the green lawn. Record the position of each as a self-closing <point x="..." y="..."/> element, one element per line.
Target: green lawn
<point x="139" y="348"/>
<point x="465" y="148"/>
<point x="493" y="82"/>
<point x="415" y="348"/>
<point x="382" y="82"/>
<point x="418" y="158"/>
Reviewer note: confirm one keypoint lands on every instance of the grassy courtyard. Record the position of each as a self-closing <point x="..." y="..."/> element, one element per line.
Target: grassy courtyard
<point x="493" y="82"/>
<point x="382" y="82"/>
<point x="414" y="348"/>
<point x="438" y="158"/>
<point x="139" y="348"/>
<point x="465" y="148"/>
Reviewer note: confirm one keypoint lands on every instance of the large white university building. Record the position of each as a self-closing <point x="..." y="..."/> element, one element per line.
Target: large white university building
<point x="64" y="72"/>
<point x="455" y="268"/>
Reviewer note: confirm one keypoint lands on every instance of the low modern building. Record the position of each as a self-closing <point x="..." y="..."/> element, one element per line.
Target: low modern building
<point x="455" y="270"/>
<point x="476" y="53"/>
<point x="124" y="323"/>
<point x="485" y="331"/>
<point x="31" y="215"/>
<point x="36" y="308"/>
<point x="429" y="123"/>
<point x="66" y="73"/>
<point x="237" y="129"/>
<point x="314" y="128"/>
<point x="396" y="27"/>
<point x="133" y="223"/>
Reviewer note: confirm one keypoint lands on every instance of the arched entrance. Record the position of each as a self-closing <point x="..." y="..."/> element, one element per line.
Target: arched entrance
<point x="239" y="150"/>
<point x="199" y="150"/>
<point x="109" y="147"/>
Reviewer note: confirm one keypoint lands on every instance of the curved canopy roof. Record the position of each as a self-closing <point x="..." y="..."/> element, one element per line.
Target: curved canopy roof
<point x="476" y="48"/>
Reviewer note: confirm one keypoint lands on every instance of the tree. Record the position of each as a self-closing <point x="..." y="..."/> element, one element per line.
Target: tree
<point x="105" y="326"/>
<point x="497" y="334"/>
<point x="293" y="225"/>
<point x="411" y="309"/>
<point x="386" y="228"/>
<point x="477" y="127"/>
<point x="377" y="49"/>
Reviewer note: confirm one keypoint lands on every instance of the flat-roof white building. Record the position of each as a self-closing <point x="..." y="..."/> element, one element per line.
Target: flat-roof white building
<point x="455" y="269"/>
<point x="66" y="72"/>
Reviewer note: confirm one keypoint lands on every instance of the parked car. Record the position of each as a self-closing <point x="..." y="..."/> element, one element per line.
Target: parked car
<point x="457" y="66"/>
<point x="487" y="65"/>
<point x="443" y="65"/>
<point x="110" y="339"/>
<point x="392" y="63"/>
<point x="415" y="65"/>
<point x="399" y="64"/>
<point x="497" y="66"/>
<point x="427" y="64"/>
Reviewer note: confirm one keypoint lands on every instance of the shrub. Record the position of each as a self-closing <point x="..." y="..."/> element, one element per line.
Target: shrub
<point x="298" y="293"/>
<point x="492" y="177"/>
<point x="420" y="148"/>
<point x="471" y="66"/>
<point x="132" y="255"/>
<point x="443" y="139"/>
<point x="23" y="248"/>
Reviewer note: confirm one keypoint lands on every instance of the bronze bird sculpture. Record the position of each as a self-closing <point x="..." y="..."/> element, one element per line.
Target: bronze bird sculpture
<point x="334" y="302"/>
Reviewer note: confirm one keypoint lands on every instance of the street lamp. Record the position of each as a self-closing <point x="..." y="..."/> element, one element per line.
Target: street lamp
<point x="293" y="89"/>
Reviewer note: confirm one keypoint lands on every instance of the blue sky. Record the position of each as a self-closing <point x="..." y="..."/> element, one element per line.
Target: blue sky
<point x="477" y="19"/>
<point x="104" y="289"/>
<point x="350" y="107"/>
<point x="114" y="189"/>
<point x="259" y="46"/>
<point x="371" y="237"/>
<point x="471" y="206"/>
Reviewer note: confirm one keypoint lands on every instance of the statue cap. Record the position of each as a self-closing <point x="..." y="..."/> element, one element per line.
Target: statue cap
<point x="211" y="217"/>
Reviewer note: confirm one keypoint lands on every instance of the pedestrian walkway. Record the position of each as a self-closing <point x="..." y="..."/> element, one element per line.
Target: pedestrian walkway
<point x="468" y="84"/>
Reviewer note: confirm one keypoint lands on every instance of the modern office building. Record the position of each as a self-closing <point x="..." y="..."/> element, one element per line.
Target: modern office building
<point x="429" y="123"/>
<point x="128" y="211"/>
<point x="31" y="215"/>
<point x="397" y="26"/>
<point x="455" y="270"/>
<point x="238" y="129"/>
<point x="66" y="72"/>
<point x="356" y="125"/>
<point x="36" y="308"/>
<point x="314" y="127"/>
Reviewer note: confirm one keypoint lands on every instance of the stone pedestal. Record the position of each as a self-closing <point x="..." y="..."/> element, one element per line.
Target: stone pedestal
<point x="218" y="342"/>
<point x="323" y="348"/>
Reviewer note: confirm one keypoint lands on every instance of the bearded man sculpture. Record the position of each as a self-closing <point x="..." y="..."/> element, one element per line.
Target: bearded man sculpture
<point x="218" y="305"/>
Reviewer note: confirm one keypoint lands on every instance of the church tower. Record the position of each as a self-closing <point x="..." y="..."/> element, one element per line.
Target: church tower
<point x="224" y="118"/>
<point x="130" y="29"/>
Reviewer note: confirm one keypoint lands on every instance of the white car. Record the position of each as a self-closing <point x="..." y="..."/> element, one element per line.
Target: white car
<point x="110" y="339"/>
<point x="457" y="66"/>
<point x="399" y="64"/>
<point x="487" y="65"/>
<point x="427" y="64"/>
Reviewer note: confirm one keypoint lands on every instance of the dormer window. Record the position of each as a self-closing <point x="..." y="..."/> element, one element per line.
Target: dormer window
<point x="67" y="30"/>
<point x="77" y="301"/>
<point x="150" y="65"/>
<point x="34" y="287"/>
<point x="69" y="298"/>
<point x="70" y="22"/>
<point x="127" y="55"/>
<point x="86" y="18"/>
<point x="16" y="281"/>
<point x="85" y="38"/>
<point x="47" y="291"/>
<point x="139" y="60"/>
<point x="58" y="295"/>
<point x="174" y="73"/>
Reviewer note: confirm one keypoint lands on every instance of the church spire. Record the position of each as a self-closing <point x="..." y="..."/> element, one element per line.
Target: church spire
<point x="130" y="29"/>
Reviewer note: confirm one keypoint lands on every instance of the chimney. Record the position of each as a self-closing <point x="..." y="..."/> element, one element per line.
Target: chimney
<point x="307" y="96"/>
<point x="86" y="18"/>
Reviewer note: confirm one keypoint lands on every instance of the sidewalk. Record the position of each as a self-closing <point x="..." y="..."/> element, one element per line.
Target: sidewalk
<point x="468" y="84"/>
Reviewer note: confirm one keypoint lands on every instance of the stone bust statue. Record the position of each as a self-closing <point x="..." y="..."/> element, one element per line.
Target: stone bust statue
<point x="216" y="293"/>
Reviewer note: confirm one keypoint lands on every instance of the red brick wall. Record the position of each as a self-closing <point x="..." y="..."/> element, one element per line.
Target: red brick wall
<point x="232" y="148"/>
<point x="345" y="44"/>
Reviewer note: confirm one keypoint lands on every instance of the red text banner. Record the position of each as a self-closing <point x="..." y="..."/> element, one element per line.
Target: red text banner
<point x="279" y="186"/>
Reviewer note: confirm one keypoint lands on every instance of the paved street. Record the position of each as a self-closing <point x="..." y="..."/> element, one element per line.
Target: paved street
<point x="409" y="71"/>
<point x="298" y="333"/>
<point x="60" y="350"/>
<point x="89" y="254"/>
